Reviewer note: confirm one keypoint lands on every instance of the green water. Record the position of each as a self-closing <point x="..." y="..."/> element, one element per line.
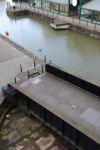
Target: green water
<point x="76" y="53"/>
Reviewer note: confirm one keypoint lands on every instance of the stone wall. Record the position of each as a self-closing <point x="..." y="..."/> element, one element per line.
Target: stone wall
<point x="87" y="31"/>
<point x="75" y="27"/>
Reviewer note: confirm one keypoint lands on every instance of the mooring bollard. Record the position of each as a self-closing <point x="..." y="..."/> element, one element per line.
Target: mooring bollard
<point x="21" y="68"/>
<point x="34" y="63"/>
<point x="28" y="73"/>
<point x="15" y="80"/>
<point x="45" y="60"/>
<point x="42" y="68"/>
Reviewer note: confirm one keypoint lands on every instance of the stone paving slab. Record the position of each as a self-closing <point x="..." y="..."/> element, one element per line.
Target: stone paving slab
<point x="8" y="52"/>
<point x="10" y="60"/>
<point x="28" y="134"/>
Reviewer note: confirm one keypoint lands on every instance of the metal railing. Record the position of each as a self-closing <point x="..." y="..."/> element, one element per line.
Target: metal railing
<point x="72" y="20"/>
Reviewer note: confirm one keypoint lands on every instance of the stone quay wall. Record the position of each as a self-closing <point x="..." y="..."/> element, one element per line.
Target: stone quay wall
<point x="87" y="28"/>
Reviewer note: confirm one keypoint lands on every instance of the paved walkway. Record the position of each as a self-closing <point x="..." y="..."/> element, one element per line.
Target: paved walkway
<point x="10" y="60"/>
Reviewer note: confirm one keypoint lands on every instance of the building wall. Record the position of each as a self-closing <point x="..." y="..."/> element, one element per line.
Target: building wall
<point x="51" y="6"/>
<point x="64" y="9"/>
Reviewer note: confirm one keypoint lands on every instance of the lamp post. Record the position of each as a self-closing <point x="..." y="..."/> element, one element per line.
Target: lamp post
<point x="74" y="3"/>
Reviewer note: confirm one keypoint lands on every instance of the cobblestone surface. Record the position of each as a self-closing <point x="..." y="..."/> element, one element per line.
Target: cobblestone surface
<point x="19" y="132"/>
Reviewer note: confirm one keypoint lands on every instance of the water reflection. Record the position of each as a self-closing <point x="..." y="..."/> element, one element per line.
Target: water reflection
<point x="73" y="51"/>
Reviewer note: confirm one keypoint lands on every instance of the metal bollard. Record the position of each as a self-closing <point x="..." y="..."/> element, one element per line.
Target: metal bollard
<point x="42" y="68"/>
<point x="15" y="80"/>
<point x="21" y="68"/>
<point x="28" y="73"/>
<point x="34" y="63"/>
<point x="45" y="60"/>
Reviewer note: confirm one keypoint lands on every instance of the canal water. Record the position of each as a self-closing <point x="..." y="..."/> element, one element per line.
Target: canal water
<point x="76" y="53"/>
